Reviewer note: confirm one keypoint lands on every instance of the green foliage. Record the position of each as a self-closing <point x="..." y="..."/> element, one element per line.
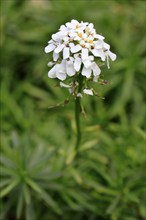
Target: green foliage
<point x="29" y="177"/>
<point x="40" y="178"/>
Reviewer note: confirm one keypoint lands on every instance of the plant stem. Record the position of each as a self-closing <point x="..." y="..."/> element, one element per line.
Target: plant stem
<point x="77" y="120"/>
<point x="77" y="112"/>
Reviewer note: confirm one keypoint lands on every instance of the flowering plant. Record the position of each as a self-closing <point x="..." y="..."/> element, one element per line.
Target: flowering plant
<point x="78" y="51"/>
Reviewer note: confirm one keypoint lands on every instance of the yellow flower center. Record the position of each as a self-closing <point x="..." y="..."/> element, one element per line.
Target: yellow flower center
<point x="87" y="30"/>
<point x="90" y="41"/>
<point x="80" y="35"/>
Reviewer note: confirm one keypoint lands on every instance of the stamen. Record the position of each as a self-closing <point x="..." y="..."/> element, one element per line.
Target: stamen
<point x="80" y="35"/>
<point x="90" y="41"/>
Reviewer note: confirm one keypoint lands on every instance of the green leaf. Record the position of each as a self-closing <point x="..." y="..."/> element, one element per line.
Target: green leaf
<point x="76" y="175"/>
<point x="72" y="204"/>
<point x="114" y="204"/>
<point x="6" y="161"/>
<point x="101" y="188"/>
<point x="4" y="182"/>
<point x="34" y="185"/>
<point x="4" y="171"/>
<point x="142" y="210"/>
<point x="141" y="132"/>
<point x="26" y="193"/>
<point x="9" y="188"/>
<point x="88" y="145"/>
<point x="30" y="212"/>
<point x="43" y="195"/>
<point x="19" y="208"/>
<point x="35" y="91"/>
<point x="82" y="199"/>
<point x="70" y="155"/>
<point x="47" y="198"/>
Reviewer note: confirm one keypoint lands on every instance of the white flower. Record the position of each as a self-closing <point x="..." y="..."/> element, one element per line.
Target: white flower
<point x="55" y="56"/>
<point x="88" y="91"/>
<point x="58" y="71"/>
<point x="59" y="48"/>
<point x="50" y="64"/>
<point x="77" y="62"/>
<point x="93" y="67"/>
<point x="70" y="70"/>
<point x="71" y="87"/>
<point x="49" y="48"/>
<point x="79" y="95"/>
<point x="88" y="61"/>
<point x="66" y="53"/>
<point x="64" y="85"/>
<point x="52" y="72"/>
<point x="73" y="24"/>
<point x="108" y="54"/>
<point x="61" y="70"/>
<point x="76" y="50"/>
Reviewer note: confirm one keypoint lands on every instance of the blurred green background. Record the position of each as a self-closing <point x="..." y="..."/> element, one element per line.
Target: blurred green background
<point x="40" y="178"/>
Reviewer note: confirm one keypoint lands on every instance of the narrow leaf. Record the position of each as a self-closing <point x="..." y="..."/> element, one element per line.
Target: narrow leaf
<point x="19" y="205"/>
<point x="9" y="188"/>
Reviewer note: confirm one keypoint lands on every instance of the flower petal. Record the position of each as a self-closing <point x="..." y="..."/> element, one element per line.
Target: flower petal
<point x="65" y="53"/>
<point x="62" y="28"/>
<point x="91" y="25"/>
<point x="86" y="72"/>
<point x="95" y="78"/>
<point x="64" y="85"/>
<point x="98" y="36"/>
<point x="88" y="91"/>
<point x="75" y="22"/>
<point x="59" y="48"/>
<point x="99" y="53"/>
<point x="66" y="39"/>
<point x="49" y="48"/>
<point x="50" y="41"/>
<point x="87" y="63"/>
<point x="50" y="64"/>
<point x="77" y="64"/>
<point x="77" y="38"/>
<point x="55" y="56"/>
<point x="72" y="24"/>
<point x="96" y="69"/>
<point x="52" y="72"/>
<point x="61" y="76"/>
<point x="55" y="37"/>
<point x="112" y="55"/>
<point x="71" y="45"/>
<point x="99" y="44"/>
<point x="106" y="46"/>
<point x="79" y="95"/>
<point x="70" y="68"/>
<point x="75" y="49"/>
<point x="84" y="54"/>
<point x="91" y="58"/>
<point x="61" y="70"/>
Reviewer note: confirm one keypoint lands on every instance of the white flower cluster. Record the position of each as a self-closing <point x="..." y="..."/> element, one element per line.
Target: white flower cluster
<point x="76" y="48"/>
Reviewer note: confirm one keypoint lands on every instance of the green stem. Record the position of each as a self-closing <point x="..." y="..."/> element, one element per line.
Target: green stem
<point x="77" y="112"/>
<point x="77" y="120"/>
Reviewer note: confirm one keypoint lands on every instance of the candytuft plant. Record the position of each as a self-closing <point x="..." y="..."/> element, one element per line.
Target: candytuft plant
<point x="78" y="53"/>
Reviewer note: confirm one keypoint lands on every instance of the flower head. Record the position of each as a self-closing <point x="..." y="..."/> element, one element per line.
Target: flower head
<point x="77" y="50"/>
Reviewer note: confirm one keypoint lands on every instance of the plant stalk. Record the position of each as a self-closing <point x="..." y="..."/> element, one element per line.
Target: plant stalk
<point x="77" y="113"/>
